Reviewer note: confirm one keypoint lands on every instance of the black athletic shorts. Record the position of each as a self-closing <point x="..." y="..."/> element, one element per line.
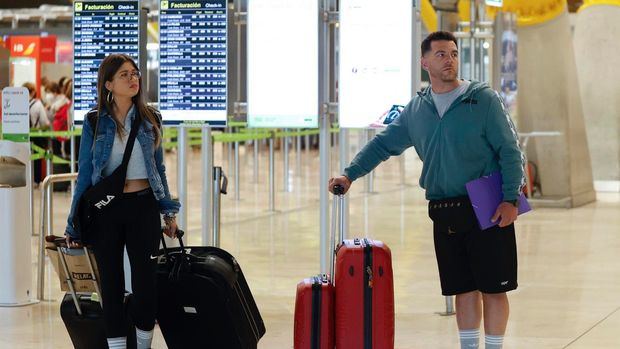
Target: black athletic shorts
<point x="469" y="258"/>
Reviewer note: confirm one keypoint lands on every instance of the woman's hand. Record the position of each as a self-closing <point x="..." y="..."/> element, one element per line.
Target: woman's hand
<point x="71" y="243"/>
<point x="171" y="227"/>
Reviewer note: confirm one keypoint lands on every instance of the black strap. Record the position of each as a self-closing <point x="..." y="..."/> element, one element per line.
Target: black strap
<point x="32" y="102"/>
<point x="178" y="260"/>
<point x="130" y="142"/>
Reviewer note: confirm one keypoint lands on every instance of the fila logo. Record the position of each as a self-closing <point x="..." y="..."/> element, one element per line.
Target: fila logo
<point x="504" y="283"/>
<point x="104" y="203"/>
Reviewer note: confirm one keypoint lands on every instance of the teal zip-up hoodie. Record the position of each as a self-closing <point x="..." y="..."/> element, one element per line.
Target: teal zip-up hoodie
<point x="474" y="138"/>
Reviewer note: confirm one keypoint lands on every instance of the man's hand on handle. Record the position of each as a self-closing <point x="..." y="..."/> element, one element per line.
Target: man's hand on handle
<point x="343" y="181"/>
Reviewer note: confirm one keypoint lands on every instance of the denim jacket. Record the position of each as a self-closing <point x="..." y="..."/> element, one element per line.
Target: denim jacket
<point x="92" y="161"/>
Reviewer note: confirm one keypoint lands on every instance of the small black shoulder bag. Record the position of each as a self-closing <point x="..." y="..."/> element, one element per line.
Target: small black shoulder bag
<point x="101" y="196"/>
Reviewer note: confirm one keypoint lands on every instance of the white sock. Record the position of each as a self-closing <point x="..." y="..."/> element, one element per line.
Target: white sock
<point x="470" y="339"/>
<point x="493" y="342"/>
<point x="117" y="343"/>
<point x="144" y="338"/>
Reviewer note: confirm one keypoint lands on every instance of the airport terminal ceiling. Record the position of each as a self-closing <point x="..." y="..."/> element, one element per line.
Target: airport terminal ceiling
<point x="6" y="4"/>
<point x="33" y="3"/>
<point x="573" y="4"/>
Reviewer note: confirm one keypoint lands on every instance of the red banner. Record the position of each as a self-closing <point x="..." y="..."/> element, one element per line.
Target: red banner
<point x="48" y="49"/>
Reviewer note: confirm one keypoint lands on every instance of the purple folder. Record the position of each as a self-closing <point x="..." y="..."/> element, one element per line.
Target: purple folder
<point x="486" y="194"/>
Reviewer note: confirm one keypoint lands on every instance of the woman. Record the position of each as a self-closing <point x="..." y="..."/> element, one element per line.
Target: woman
<point x="38" y="121"/>
<point x="55" y="99"/>
<point x="38" y="117"/>
<point x="134" y="220"/>
<point x="61" y="121"/>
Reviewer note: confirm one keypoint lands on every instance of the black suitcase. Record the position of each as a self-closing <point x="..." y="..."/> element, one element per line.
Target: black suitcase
<point x="87" y="330"/>
<point x="83" y="316"/>
<point x="204" y="300"/>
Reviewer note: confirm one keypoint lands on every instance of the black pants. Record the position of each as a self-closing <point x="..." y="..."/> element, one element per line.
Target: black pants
<point x="38" y="168"/>
<point x="133" y="222"/>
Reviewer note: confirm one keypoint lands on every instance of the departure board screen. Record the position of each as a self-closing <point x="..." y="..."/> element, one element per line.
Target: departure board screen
<point x="193" y="61"/>
<point x="100" y="28"/>
<point x="283" y="63"/>
<point x="375" y="67"/>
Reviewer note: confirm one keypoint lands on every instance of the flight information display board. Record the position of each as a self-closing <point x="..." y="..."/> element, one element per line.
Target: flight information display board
<point x="100" y="28"/>
<point x="283" y="63"/>
<point x="375" y="61"/>
<point x="193" y="61"/>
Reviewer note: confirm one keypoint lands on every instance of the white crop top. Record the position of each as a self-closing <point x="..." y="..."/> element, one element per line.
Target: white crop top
<point x="136" y="168"/>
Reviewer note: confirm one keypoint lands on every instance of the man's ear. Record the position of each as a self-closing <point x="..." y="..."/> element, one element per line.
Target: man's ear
<point x="424" y="63"/>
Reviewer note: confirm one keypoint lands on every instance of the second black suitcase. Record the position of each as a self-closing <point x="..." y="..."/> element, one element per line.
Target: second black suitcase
<point x="204" y="300"/>
<point x="87" y="330"/>
<point x="83" y="315"/>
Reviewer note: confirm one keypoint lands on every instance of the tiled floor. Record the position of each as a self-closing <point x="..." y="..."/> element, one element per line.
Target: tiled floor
<point x="569" y="276"/>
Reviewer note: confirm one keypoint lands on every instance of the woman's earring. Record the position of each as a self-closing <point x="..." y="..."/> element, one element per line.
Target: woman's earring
<point x="110" y="97"/>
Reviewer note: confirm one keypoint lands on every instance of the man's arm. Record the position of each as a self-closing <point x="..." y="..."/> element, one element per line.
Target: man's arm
<point x="503" y="138"/>
<point x="392" y="141"/>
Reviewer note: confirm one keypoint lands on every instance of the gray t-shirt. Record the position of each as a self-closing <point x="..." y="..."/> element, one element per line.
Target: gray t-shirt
<point x="443" y="101"/>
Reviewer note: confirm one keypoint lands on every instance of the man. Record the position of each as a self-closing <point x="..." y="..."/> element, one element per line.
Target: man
<point x="461" y="132"/>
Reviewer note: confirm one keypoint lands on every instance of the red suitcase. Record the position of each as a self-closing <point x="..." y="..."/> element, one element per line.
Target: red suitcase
<point x="314" y="304"/>
<point x="364" y="295"/>
<point x="314" y="314"/>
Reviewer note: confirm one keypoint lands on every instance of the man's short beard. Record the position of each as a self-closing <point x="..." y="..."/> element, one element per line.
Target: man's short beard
<point x="448" y="76"/>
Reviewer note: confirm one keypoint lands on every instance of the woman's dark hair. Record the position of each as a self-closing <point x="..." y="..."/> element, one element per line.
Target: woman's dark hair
<point x="61" y="82"/>
<point x="68" y="91"/>
<point x="437" y="36"/>
<point x="31" y="88"/>
<point x="53" y="87"/>
<point x="108" y="68"/>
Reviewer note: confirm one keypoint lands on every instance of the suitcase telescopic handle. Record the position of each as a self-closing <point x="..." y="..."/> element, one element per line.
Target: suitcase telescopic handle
<point x="338" y="189"/>
<point x="61" y="241"/>
<point x="339" y="207"/>
<point x="56" y="240"/>
<point x="61" y="247"/>
<point x="337" y="216"/>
